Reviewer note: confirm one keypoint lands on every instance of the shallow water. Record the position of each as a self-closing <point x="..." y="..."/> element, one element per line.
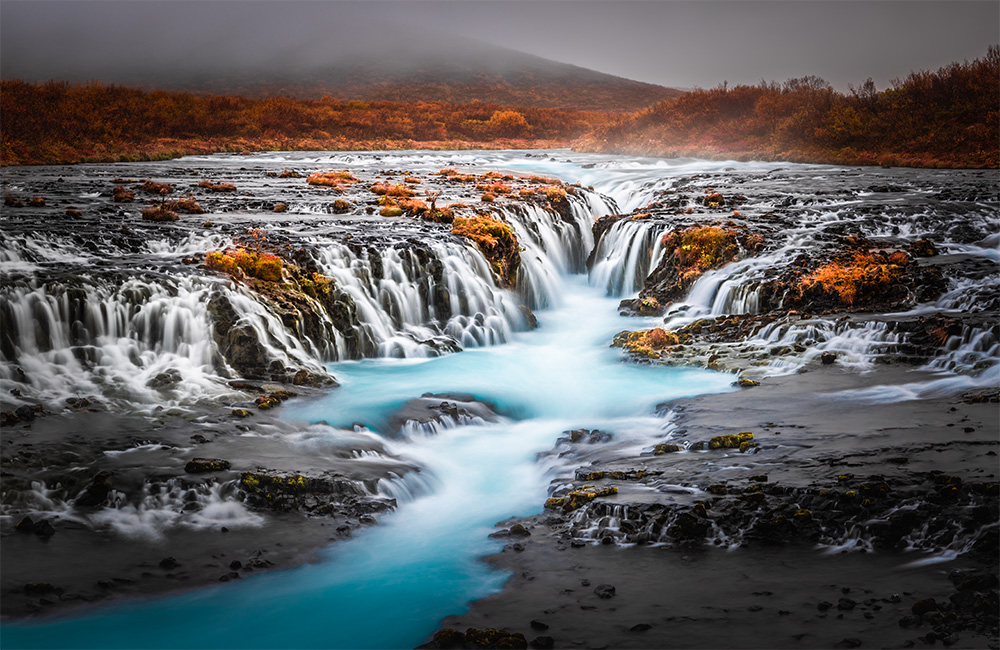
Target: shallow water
<point x="390" y="586"/>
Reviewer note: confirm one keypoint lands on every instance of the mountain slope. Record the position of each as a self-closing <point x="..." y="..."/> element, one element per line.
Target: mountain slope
<point x="458" y="74"/>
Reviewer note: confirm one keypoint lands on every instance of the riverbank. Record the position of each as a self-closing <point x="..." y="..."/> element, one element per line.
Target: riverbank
<point x="749" y="586"/>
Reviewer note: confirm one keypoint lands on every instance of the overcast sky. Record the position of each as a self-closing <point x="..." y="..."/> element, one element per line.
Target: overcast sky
<point x="685" y="44"/>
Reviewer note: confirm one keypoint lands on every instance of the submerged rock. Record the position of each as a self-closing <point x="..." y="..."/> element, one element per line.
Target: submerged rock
<point x="440" y="409"/>
<point x="203" y="465"/>
<point x="324" y="494"/>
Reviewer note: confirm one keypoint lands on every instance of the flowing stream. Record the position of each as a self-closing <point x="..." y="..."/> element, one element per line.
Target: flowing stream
<point x="390" y="586"/>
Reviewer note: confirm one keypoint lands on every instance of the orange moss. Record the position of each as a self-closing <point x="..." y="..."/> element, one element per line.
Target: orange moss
<point x="122" y="195"/>
<point x="413" y="206"/>
<point x="862" y="274"/>
<point x="397" y="189"/>
<point x="701" y="248"/>
<point x="152" y="187"/>
<point x="544" y="180"/>
<point x="648" y="343"/>
<point x="497" y="242"/>
<point x="158" y="214"/>
<point x="262" y="266"/>
<point x="187" y="206"/>
<point x="217" y="187"/>
<point x="494" y="187"/>
<point x="338" y="180"/>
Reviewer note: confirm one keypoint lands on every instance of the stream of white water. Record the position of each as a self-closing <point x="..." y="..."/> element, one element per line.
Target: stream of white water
<point x="391" y="585"/>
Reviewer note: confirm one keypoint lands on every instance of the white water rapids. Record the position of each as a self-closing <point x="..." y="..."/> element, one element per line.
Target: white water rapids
<point x="95" y="335"/>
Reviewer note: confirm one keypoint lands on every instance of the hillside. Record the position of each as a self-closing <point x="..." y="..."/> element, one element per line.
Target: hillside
<point x="943" y="118"/>
<point x="487" y="74"/>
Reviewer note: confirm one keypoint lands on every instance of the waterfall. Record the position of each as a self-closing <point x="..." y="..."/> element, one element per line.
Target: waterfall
<point x="149" y="337"/>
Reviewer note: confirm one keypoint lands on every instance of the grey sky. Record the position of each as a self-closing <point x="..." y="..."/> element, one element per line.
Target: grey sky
<point x="673" y="43"/>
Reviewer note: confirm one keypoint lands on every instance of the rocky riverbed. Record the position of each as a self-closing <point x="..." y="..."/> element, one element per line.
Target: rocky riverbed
<point x="165" y="379"/>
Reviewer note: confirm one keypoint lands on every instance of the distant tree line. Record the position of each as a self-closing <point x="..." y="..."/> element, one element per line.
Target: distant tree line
<point x="947" y="118"/>
<point x="59" y="122"/>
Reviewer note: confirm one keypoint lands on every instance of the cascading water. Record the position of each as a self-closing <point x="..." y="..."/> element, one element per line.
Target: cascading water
<point x="409" y="294"/>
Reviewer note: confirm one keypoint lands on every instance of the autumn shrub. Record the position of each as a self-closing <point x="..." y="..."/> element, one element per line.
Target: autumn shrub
<point x="397" y="189"/>
<point x="152" y="187"/>
<point x="289" y="173"/>
<point x="413" y="206"/>
<point x="122" y="195"/>
<point x="508" y="124"/>
<point x="187" y="206"/>
<point x="339" y="180"/>
<point x="37" y="201"/>
<point x="158" y="214"/>
<point x="217" y="187"/>
<point x="494" y="187"/>
<point x="411" y="179"/>
<point x="280" y="207"/>
<point x="340" y="206"/>
<point x="11" y="201"/>
<point x="488" y="197"/>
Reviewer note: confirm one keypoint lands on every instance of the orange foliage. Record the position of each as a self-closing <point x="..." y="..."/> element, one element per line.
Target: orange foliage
<point x="262" y="266"/>
<point x="217" y="187"/>
<point x="337" y="180"/>
<point x="59" y="122"/>
<point x="947" y="118"/>
<point x="863" y="274"/>
<point x="397" y="189"/>
<point x="494" y="187"/>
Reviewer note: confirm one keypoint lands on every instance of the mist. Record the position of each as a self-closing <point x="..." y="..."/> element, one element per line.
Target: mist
<point x="677" y="44"/>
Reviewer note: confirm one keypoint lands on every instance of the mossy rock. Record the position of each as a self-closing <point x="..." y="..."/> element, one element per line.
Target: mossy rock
<point x="203" y="465"/>
<point x="730" y="441"/>
<point x="266" y="402"/>
<point x="661" y="449"/>
<point x="717" y="489"/>
<point x="242" y="413"/>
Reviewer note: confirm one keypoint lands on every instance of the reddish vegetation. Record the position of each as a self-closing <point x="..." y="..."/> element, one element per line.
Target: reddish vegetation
<point x="158" y="214"/>
<point x="398" y="190"/>
<point x="58" y="122"/>
<point x="240" y="261"/>
<point x="217" y="187"/>
<point x="947" y="118"/>
<point x="863" y="277"/>
<point x="337" y="180"/>
<point x="151" y="187"/>
<point x="187" y="206"/>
